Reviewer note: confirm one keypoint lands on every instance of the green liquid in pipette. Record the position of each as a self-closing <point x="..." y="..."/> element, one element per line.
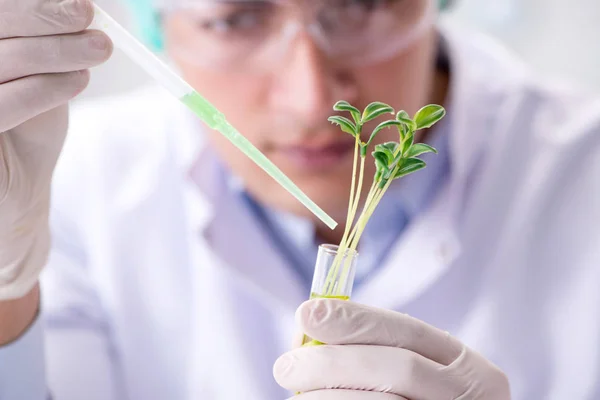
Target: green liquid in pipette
<point x="216" y="120"/>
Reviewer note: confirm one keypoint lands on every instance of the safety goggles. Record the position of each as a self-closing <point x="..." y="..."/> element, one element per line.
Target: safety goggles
<point x="254" y="35"/>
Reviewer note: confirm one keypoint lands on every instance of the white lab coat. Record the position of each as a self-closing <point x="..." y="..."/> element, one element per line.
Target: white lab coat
<point x="158" y="289"/>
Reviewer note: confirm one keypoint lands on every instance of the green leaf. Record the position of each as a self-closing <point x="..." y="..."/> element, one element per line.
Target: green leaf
<point x="382" y="165"/>
<point x="403" y="131"/>
<point x="381" y="160"/>
<point x="403" y="117"/>
<point x="408" y="142"/>
<point x="397" y="159"/>
<point x="389" y="149"/>
<point x="408" y="166"/>
<point x="344" y="123"/>
<point x="392" y="148"/>
<point x="395" y="162"/>
<point x="374" y="110"/>
<point x="377" y="175"/>
<point x="419" y="148"/>
<point x="427" y="116"/>
<point x="343" y="105"/>
<point x="382" y="126"/>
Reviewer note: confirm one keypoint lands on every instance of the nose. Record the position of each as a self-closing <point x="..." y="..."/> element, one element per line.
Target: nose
<point x="308" y="84"/>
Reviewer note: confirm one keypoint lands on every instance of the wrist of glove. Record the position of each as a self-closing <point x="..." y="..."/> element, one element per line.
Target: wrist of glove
<point x="374" y="354"/>
<point x="24" y="230"/>
<point x="21" y="262"/>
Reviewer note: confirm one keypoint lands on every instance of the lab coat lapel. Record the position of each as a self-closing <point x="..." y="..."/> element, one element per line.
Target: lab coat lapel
<point x="237" y="240"/>
<point x="245" y="248"/>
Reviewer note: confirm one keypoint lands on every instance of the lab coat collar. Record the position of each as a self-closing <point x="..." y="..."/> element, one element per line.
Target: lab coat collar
<point x="245" y="248"/>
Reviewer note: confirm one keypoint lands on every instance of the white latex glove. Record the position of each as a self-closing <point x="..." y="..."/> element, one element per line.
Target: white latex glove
<point x="44" y="57"/>
<point x="374" y="354"/>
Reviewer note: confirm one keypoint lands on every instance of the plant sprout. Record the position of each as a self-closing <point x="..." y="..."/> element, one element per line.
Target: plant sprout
<point x="393" y="160"/>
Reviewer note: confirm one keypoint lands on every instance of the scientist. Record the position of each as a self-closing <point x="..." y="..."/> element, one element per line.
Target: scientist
<point x="173" y="267"/>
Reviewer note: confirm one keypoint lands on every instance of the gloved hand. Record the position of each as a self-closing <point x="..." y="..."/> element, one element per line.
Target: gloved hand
<point x="374" y="354"/>
<point x="44" y="57"/>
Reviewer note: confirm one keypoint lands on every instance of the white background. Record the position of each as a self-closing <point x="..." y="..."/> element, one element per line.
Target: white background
<point x="560" y="38"/>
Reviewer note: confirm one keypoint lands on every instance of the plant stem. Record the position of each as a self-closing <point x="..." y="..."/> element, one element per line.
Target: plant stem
<point x="350" y="215"/>
<point x="357" y="199"/>
<point x="375" y="194"/>
<point x="352" y="235"/>
<point x="373" y="198"/>
<point x="370" y="207"/>
<point x="365" y="206"/>
<point x="330" y="280"/>
<point x="344" y="243"/>
<point x="368" y="212"/>
<point x="365" y="215"/>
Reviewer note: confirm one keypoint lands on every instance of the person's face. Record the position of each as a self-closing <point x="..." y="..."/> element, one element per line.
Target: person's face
<point x="282" y="107"/>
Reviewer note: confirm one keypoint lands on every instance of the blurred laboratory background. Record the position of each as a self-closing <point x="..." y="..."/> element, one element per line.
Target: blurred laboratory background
<point x="556" y="37"/>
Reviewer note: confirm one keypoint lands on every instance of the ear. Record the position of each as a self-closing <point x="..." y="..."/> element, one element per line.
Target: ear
<point x="148" y="23"/>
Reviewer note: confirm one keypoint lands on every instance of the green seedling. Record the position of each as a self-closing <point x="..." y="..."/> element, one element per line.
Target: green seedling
<point x="393" y="160"/>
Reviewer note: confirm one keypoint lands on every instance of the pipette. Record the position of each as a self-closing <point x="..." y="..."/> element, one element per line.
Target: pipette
<point x="201" y="107"/>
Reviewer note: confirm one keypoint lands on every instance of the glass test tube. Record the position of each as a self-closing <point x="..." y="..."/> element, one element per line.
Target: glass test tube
<point x="331" y="279"/>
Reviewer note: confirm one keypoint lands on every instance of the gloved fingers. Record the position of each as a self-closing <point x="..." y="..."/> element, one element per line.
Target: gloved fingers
<point x="52" y="54"/>
<point x="44" y="17"/>
<point x="483" y="379"/>
<point x="28" y="97"/>
<point x="343" y="322"/>
<point x="363" y="367"/>
<point x="341" y="394"/>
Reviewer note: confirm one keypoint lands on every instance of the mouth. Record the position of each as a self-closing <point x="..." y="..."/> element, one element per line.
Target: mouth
<point x="318" y="157"/>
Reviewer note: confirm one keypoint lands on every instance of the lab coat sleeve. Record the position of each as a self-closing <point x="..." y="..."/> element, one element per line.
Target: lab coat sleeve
<point x="81" y="361"/>
<point x="66" y="354"/>
<point x="22" y="374"/>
